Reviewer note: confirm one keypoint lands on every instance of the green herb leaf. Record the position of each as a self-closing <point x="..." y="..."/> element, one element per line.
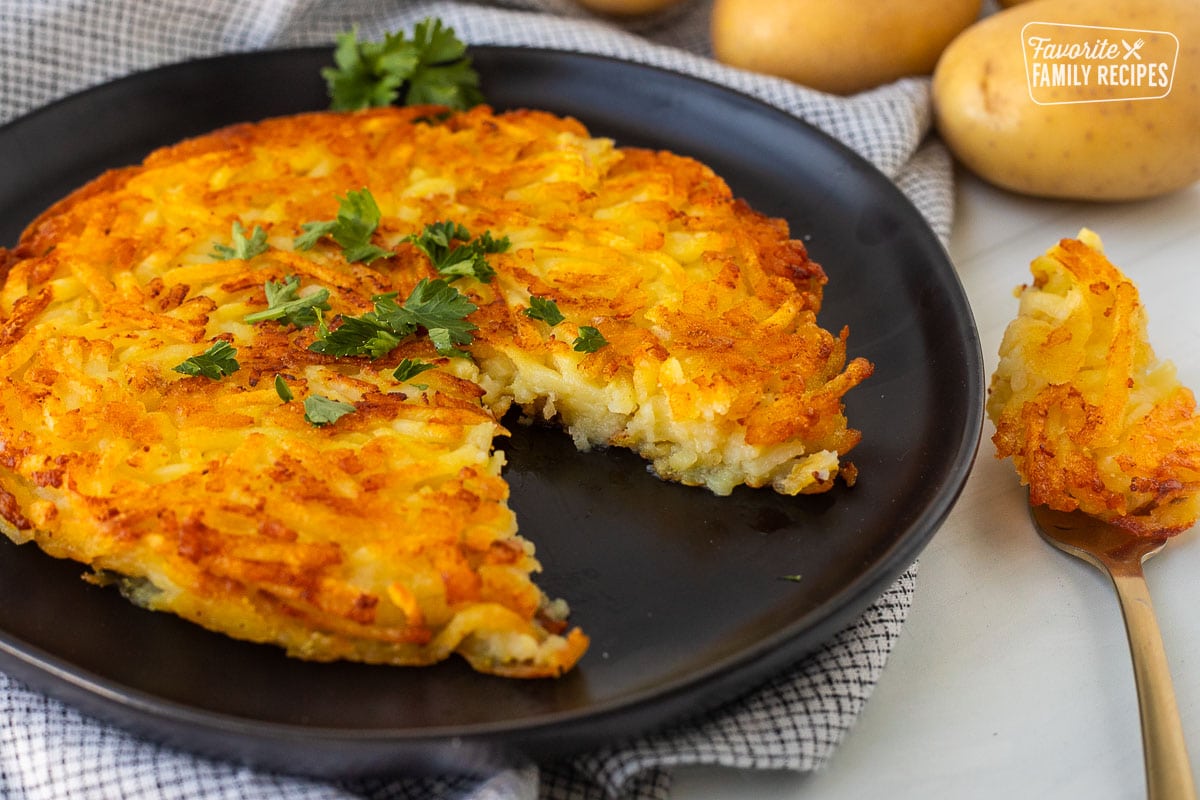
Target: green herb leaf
<point x="437" y="241"/>
<point x="452" y="85"/>
<point x="444" y="340"/>
<point x="320" y="411"/>
<point x="409" y="369"/>
<point x="283" y="390"/>
<point x="433" y="63"/>
<point x="589" y="340"/>
<point x="442" y="310"/>
<point x="545" y="309"/>
<point x="313" y="231"/>
<point x="214" y="363"/>
<point x="366" y="335"/>
<point x="453" y="261"/>
<point x="444" y="75"/>
<point x="434" y="305"/>
<point x="357" y="218"/>
<point x="792" y="578"/>
<point x="243" y="248"/>
<point x="368" y="74"/>
<point x="285" y="304"/>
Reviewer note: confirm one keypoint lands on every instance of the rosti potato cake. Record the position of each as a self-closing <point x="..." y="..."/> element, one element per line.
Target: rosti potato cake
<point x="1092" y="419"/>
<point x="255" y="380"/>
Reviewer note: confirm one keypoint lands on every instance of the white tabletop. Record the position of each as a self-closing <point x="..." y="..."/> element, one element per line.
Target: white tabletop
<point x="1012" y="678"/>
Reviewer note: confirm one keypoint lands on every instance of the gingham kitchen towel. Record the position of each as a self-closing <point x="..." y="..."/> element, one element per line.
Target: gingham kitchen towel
<point x="51" y="48"/>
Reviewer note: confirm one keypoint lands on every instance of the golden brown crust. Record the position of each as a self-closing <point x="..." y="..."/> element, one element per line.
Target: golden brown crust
<point x="1092" y="420"/>
<point x="386" y="536"/>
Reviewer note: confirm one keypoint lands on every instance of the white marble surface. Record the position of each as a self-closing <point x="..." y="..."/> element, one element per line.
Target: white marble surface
<point x="1012" y="678"/>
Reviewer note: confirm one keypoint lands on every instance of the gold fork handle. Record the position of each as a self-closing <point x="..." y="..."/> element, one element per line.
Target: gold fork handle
<point x="1168" y="772"/>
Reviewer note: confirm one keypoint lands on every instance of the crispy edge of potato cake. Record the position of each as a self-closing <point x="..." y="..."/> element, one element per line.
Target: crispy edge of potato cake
<point x="759" y="264"/>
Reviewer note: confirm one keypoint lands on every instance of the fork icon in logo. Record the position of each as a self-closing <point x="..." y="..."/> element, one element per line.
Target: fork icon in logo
<point x="1132" y="49"/>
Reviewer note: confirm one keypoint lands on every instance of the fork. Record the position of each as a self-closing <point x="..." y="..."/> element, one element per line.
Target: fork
<point x="1120" y="554"/>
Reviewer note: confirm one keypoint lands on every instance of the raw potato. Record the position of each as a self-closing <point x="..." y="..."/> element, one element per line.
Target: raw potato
<point x="1117" y="150"/>
<point x="627" y="8"/>
<point x="838" y="47"/>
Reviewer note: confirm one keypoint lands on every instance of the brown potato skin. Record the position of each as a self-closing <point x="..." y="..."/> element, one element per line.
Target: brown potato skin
<point x="837" y="48"/>
<point x="1095" y="150"/>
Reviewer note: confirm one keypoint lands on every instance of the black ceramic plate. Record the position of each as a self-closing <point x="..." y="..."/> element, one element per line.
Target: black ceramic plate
<point x="681" y="592"/>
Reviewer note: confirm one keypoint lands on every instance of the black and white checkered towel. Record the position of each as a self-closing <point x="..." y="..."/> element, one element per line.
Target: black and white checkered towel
<point x="51" y="48"/>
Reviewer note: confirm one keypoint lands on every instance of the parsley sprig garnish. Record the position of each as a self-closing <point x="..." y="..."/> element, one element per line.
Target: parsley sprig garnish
<point x="365" y="335"/>
<point x="454" y="254"/>
<point x="545" y="309"/>
<point x="430" y="68"/>
<point x="357" y="218"/>
<point x="441" y="310"/>
<point x="283" y="390"/>
<point x="285" y="304"/>
<point x="589" y="340"/>
<point x="434" y="305"/>
<point x="214" y="363"/>
<point x="243" y="247"/>
<point x="408" y="369"/>
<point x="321" y="411"/>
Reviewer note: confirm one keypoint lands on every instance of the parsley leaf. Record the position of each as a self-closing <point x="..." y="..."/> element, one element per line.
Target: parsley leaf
<point x="434" y="305"/>
<point x="433" y="63"/>
<point x="242" y="248"/>
<point x="435" y="241"/>
<point x="589" y="340"/>
<point x="444" y="75"/>
<point x="455" y="261"/>
<point x="545" y="309"/>
<point x="357" y="218"/>
<point x="368" y="74"/>
<point x="437" y="307"/>
<point x="409" y="369"/>
<point x="283" y="390"/>
<point x="214" y="363"/>
<point x="359" y="336"/>
<point x="321" y="411"/>
<point x="285" y="304"/>
<point x="444" y="341"/>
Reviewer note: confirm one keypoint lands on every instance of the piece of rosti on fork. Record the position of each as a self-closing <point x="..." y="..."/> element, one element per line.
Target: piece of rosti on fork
<point x="1092" y="419"/>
